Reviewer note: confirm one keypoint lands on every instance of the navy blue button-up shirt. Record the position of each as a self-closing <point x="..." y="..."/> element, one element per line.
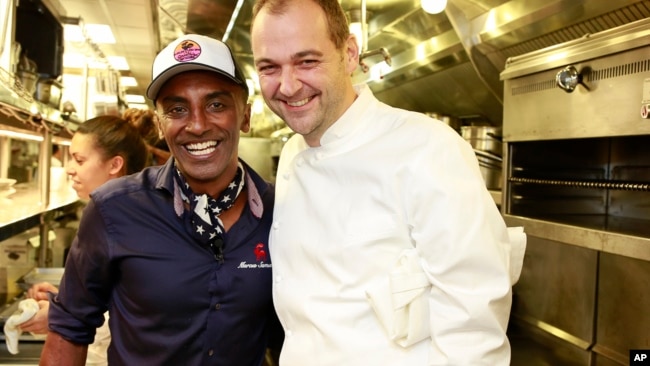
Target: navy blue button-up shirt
<point x="170" y="302"/>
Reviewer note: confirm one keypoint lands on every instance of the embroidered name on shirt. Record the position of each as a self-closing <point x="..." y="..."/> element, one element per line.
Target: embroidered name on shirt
<point x="245" y="265"/>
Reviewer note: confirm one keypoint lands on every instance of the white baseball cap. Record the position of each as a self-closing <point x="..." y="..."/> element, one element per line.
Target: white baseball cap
<point x="193" y="52"/>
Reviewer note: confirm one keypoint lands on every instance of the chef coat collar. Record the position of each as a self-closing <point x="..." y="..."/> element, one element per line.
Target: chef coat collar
<point x="354" y="118"/>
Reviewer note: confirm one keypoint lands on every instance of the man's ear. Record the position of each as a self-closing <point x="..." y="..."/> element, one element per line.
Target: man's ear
<point x="156" y="120"/>
<point x="352" y="53"/>
<point x="246" y="123"/>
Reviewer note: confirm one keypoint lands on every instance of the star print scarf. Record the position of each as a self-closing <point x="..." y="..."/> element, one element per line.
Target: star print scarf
<point x="205" y="210"/>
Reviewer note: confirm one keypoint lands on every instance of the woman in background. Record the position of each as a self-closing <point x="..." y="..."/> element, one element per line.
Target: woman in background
<point x="102" y="148"/>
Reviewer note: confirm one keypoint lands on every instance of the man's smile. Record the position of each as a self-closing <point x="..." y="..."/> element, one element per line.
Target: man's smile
<point x="201" y="148"/>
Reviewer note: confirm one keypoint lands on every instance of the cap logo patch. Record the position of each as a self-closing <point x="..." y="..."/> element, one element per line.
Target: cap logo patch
<point x="187" y="51"/>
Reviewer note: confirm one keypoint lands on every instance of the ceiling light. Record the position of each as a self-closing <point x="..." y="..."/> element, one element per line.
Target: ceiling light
<point x="128" y="81"/>
<point x="100" y="33"/>
<point x="118" y="62"/>
<point x="75" y="60"/>
<point x="97" y="33"/>
<point x="433" y="6"/>
<point x="73" y="33"/>
<point x="94" y="63"/>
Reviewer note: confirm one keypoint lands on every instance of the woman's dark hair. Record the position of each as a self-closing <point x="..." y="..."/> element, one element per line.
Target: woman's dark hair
<point x="114" y="136"/>
<point x="143" y="121"/>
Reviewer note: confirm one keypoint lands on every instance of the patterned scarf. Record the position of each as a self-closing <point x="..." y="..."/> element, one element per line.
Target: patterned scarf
<point x="205" y="210"/>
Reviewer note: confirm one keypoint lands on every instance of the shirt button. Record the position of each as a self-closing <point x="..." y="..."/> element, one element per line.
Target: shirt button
<point x="278" y="279"/>
<point x="276" y="225"/>
<point x="210" y="352"/>
<point x="300" y="161"/>
<point x="288" y="333"/>
<point x="319" y="156"/>
<point x="286" y="176"/>
<point x="218" y="306"/>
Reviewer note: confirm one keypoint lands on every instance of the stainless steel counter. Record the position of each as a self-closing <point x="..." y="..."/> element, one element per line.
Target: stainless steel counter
<point x="24" y="210"/>
<point x="632" y="246"/>
<point x="29" y="353"/>
<point x="582" y="294"/>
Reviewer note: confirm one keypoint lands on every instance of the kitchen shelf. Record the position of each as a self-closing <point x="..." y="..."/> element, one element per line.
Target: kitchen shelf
<point x="620" y="236"/>
<point x="23" y="210"/>
<point x="19" y="110"/>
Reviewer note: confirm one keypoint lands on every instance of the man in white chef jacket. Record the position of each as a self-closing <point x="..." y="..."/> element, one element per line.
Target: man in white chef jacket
<point x="387" y="248"/>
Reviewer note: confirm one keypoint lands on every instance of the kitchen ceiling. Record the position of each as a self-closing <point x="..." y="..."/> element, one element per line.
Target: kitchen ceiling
<point x="142" y="27"/>
<point x="447" y="63"/>
<point x="133" y="26"/>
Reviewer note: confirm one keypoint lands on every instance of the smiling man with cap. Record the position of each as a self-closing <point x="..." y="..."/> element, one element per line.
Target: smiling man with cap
<point x="177" y="253"/>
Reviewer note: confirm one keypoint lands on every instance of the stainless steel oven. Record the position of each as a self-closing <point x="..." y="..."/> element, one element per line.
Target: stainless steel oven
<point x="577" y="177"/>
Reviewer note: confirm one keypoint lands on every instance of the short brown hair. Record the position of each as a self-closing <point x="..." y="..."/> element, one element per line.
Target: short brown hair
<point x="337" y="23"/>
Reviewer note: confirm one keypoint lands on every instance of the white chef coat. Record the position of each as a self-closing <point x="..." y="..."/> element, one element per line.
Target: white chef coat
<point x="382" y="181"/>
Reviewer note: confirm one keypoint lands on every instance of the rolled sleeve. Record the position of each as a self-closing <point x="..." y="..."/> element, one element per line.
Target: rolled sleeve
<point x="75" y="313"/>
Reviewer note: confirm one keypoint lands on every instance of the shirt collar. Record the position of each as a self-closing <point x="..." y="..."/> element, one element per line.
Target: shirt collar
<point x="256" y="187"/>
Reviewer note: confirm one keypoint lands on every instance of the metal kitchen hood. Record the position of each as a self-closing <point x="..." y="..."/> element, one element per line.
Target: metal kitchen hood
<point x="447" y="63"/>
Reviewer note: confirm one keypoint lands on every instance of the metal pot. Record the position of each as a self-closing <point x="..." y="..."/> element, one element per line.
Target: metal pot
<point x="48" y="91"/>
<point x="484" y="138"/>
<point x="490" y="166"/>
<point x="491" y="176"/>
<point x="26" y="80"/>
